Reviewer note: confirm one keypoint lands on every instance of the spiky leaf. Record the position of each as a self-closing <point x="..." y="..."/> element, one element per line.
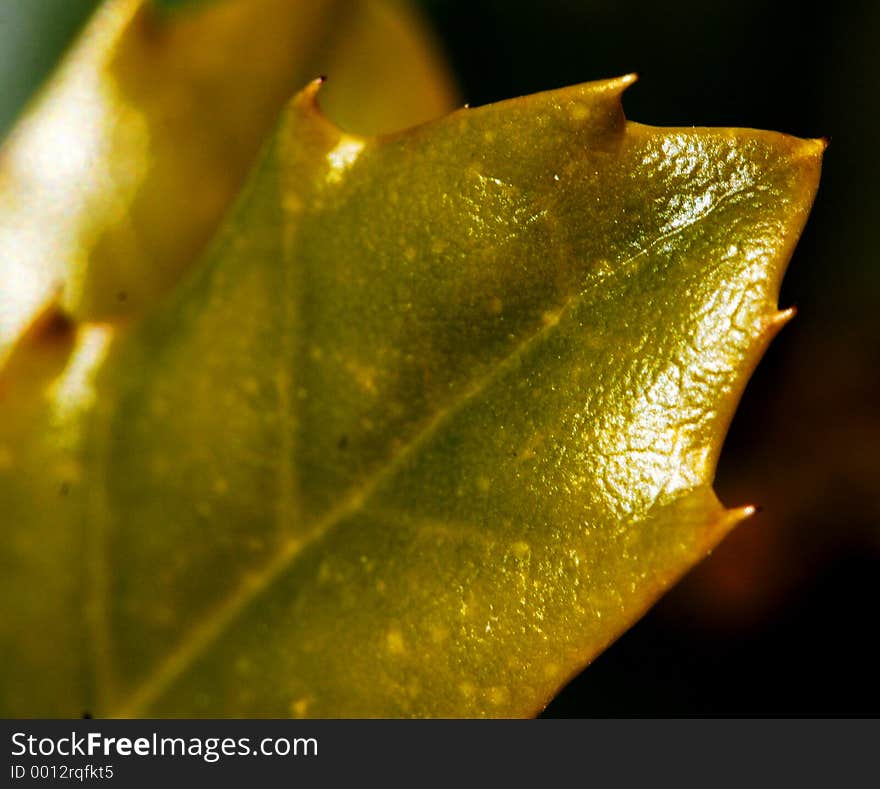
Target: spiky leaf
<point x="433" y="422"/>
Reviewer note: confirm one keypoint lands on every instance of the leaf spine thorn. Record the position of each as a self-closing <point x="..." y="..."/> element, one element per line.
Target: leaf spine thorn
<point x="780" y="319"/>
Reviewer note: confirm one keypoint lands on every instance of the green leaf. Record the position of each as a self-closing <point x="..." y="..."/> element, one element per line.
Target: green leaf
<point x="433" y="422"/>
<point x="120" y="173"/>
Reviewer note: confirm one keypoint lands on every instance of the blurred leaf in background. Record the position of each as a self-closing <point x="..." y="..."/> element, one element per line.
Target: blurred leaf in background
<point x="118" y="174"/>
<point x="111" y="184"/>
<point x="33" y="34"/>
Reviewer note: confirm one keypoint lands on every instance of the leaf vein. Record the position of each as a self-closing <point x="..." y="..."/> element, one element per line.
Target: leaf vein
<point x="194" y="643"/>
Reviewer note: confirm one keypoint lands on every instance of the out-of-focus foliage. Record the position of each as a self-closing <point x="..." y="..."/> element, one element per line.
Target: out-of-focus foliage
<point x="33" y="34"/>
<point x="118" y="175"/>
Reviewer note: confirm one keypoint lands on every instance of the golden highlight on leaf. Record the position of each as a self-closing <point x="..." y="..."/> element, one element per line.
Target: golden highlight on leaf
<point x="434" y="421"/>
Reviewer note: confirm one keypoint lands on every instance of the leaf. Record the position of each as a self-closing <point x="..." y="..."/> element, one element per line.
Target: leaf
<point x="122" y="170"/>
<point x="431" y="424"/>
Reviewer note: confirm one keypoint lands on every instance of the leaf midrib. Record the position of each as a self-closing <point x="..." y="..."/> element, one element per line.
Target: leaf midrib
<point x="194" y="643"/>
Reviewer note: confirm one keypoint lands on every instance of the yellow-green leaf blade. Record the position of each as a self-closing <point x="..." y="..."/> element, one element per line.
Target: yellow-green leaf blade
<point x="437" y="418"/>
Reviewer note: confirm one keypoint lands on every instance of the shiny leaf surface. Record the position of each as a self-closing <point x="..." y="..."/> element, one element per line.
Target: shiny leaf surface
<point x="433" y="422"/>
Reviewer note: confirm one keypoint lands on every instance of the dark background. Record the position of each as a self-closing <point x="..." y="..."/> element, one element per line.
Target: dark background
<point x="783" y="618"/>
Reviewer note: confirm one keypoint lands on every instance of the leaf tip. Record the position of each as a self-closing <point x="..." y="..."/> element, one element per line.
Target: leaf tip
<point x="305" y="106"/>
<point x="42" y="348"/>
<point x="617" y="85"/>
<point x="48" y="325"/>
<point x="778" y="319"/>
<point x="813" y="148"/>
<point x="727" y="521"/>
<point x="309" y="94"/>
<point x="737" y="515"/>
